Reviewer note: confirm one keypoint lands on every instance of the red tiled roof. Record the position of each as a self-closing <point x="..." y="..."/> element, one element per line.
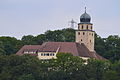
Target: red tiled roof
<point x="68" y="47"/>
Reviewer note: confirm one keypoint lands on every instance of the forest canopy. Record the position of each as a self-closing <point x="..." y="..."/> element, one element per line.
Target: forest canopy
<point x="66" y="66"/>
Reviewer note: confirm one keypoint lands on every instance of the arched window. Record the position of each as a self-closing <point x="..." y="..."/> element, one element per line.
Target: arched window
<point x="78" y="33"/>
<point x="81" y="39"/>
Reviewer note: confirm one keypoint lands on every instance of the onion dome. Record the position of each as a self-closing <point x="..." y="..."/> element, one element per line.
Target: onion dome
<point x="85" y="18"/>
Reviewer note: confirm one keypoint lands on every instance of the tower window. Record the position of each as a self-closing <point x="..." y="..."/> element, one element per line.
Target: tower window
<point x="92" y="34"/>
<point x="91" y="27"/>
<point x="83" y="33"/>
<point x="81" y="39"/>
<point x="87" y="26"/>
<point x="78" y="33"/>
<point x="82" y="26"/>
<point x="90" y="40"/>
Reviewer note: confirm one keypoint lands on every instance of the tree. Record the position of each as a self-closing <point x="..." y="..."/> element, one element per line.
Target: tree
<point x="68" y="35"/>
<point x="27" y="40"/>
<point x="68" y="64"/>
<point x="99" y="45"/>
<point x="112" y="47"/>
<point x="39" y="39"/>
<point x="111" y="75"/>
<point x="9" y="45"/>
<point x="95" y="69"/>
<point x="26" y="77"/>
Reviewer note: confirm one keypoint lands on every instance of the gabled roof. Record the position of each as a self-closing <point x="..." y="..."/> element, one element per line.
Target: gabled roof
<point x="67" y="47"/>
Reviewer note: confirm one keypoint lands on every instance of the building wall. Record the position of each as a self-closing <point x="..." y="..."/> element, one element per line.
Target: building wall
<point x="43" y="56"/>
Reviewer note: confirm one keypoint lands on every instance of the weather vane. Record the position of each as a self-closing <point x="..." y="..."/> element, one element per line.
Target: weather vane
<point x="85" y="9"/>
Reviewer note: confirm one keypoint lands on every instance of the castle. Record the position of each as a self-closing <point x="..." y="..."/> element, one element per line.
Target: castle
<point x="82" y="47"/>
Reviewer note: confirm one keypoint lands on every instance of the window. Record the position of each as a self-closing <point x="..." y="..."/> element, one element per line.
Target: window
<point x="47" y="54"/>
<point x="81" y="39"/>
<point x="92" y="34"/>
<point x="91" y="27"/>
<point x="26" y="52"/>
<point x="89" y="33"/>
<point x="31" y="52"/>
<point x="90" y="40"/>
<point x="83" y="33"/>
<point x="41" y="54"/>
<point x="78" y="33"/>
<point x="82" y="26"/>
<point x="87" y="26"/>
<point x="51" y="54"/>
<point x="44" y="54"/>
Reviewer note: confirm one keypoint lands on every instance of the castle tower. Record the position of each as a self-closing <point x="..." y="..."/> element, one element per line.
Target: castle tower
<point x="85" y="34"/>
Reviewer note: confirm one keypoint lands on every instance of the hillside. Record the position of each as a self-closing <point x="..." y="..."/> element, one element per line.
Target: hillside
<point x="107" y="47"/>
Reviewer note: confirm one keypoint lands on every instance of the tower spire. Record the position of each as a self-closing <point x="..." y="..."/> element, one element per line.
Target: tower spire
<point x="85" y="9"/>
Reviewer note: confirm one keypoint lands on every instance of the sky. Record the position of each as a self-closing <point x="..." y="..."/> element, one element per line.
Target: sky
<point x="34" y="17"/>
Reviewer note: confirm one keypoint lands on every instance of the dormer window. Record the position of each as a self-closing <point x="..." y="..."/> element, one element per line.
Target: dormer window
<point x="26" y="52"/>
<point x="31" y="52"/>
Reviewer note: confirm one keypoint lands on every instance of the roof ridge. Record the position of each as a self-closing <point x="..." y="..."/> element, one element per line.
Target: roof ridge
<point x="58" y="49"/>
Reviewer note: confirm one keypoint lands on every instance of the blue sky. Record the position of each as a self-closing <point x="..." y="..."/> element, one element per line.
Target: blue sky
<point x="33" y="17"/>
